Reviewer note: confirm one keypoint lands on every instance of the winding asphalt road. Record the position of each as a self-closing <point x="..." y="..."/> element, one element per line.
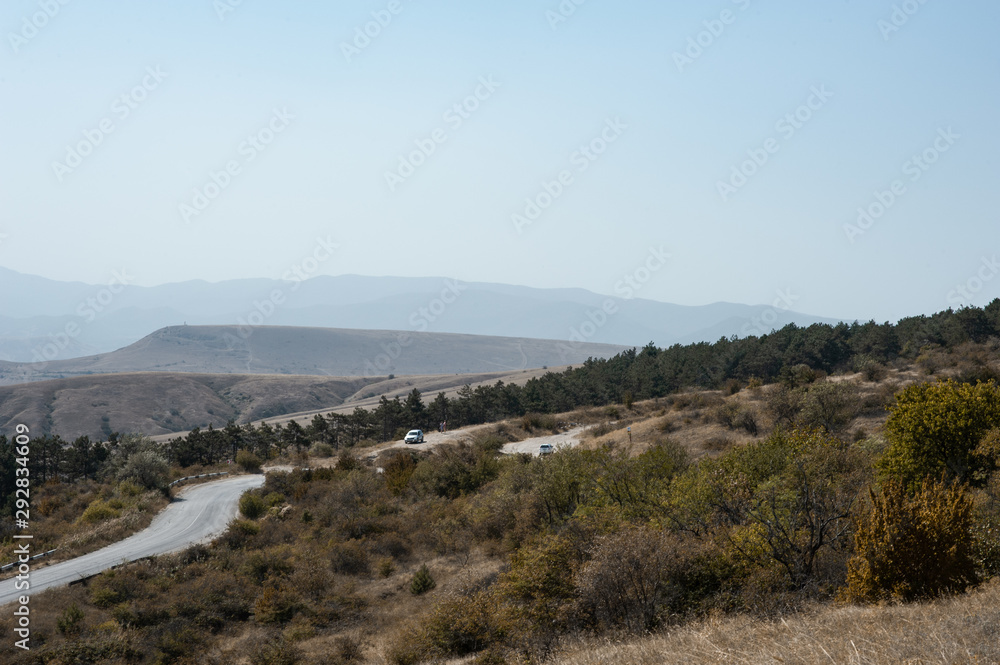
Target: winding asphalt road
<point x="199" y="513"/>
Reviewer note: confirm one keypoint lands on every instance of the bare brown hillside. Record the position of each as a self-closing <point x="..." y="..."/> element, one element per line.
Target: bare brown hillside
<point x="158" y="403"/>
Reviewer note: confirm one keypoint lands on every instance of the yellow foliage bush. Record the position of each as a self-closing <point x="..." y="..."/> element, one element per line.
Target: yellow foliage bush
<point x="909" y="547"/>
<point x="98" y="511"/>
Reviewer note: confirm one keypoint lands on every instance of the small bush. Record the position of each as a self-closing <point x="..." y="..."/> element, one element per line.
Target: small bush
<point x="347" y="462"/>
<point x="635" y="576"/>
<point x="422" y="581"/>
<point x="831" y="406"/>
<point x="533" y="421"/>
<point x="386" y="567"/>
<point x="321" y="450"/>
<point x="397" y="472"/>
<point x="274" y="499"/>
<point x="748" y="421"/>
<point x="147" y="468"/>
<point x="252" y="506"/>
<point x="69" y="622"/>
<point x="275" y="606"/>
<point x="667" y="426"/>
<point x="99" y="511"/>
<point x="129" y="489"/>
<point x="350" y="558"/>
<point x="239" y="533"/>
<point x="728" y="414"/>
<point x="247" y="461"/>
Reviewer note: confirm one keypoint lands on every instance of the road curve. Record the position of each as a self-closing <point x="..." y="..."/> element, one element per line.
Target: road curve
<point x="198" y="514"/>
<point x="568" y="439"/>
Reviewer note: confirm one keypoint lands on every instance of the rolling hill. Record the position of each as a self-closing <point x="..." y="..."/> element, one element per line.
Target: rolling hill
<point x="312" y="352"/>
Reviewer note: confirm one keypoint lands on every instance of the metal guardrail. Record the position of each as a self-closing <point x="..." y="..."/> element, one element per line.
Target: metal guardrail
<point x="202" y="475"/>
<point x="8" y="566"/>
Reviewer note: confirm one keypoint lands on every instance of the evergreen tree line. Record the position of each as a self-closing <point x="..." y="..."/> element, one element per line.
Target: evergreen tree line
<point x="631" y="375"/>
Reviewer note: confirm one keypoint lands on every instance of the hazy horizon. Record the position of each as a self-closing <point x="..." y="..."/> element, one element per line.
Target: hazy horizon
<point x="712" y="152"/>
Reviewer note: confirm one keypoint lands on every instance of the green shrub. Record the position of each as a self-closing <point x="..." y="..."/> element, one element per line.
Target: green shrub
<point x="935" y="428"/>
<point x="248" y="461"/>
<point x="422" y="581"/>
<point x="69" y="621"/>
<point x="274" y="499"/>
<point x="147" y="468"/>
<point x="252" y="505"/>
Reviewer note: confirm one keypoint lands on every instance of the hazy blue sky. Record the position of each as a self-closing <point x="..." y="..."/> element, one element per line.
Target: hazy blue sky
<point x="672" y="119"/>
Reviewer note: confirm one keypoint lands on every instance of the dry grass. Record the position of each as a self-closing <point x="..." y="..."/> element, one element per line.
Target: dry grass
<point x="61" y="528"/>
<point x="963" y="629"/>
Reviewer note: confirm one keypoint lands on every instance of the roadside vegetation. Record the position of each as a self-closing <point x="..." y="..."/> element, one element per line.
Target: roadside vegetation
<point x="847" y="507"/>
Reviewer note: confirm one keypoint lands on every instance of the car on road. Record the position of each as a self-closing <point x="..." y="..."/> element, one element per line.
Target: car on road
<point x="546" y="449"/>
<point x="414" y="436"/>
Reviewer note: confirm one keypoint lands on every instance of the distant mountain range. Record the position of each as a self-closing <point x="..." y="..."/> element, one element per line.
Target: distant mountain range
<point x="46" y="320"/>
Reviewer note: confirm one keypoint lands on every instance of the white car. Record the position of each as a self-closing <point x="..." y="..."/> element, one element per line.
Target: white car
<point x="546" y="449"/>
<point x="414" y="436"/>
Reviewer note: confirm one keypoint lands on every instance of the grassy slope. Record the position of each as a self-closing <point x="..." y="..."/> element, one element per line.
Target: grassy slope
<point x="961" y="629"/>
